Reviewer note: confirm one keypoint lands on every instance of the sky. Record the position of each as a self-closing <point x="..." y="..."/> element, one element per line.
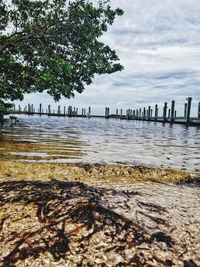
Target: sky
<point x="158" y="43"/>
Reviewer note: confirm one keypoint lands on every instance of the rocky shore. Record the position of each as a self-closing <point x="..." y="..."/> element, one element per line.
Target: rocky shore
<point x="98" y="215"/>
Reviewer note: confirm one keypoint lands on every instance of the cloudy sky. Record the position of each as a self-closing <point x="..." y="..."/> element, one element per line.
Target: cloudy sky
<point x="158" y="42"/>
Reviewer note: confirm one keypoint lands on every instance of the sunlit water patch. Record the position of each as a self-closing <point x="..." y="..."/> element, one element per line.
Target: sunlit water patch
<point x="54" y="139"/>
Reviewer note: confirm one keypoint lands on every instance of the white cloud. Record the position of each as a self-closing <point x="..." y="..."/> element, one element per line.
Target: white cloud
<point x="158" y="43"/>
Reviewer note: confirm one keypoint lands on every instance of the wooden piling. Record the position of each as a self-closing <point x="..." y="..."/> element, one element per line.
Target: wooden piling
<point x="189" y="99"/>
<point x="58" y="112"/>
<point x="69" y="111"/>
<point x="117" y="111"/>
<point x="156" y="112"/>
<point x="140" y="113"/>
<point x="127" y="115"/>
<point x="106" y="112"/>
<point x="172" y="110"/>
<point x="149" y="113"/>
<point x="29" y="108"/>
<point x="144" y="113"/>
<point x="165" y="111"/>
<point x="198" y="111"/>
<point x="49" y="109"/>
<point x="185" y="111"/>
<point x="40" y="109"/>
<point x="169" y="113"/>
<point x="137" y="113"/>
<point x="89" y="112"/>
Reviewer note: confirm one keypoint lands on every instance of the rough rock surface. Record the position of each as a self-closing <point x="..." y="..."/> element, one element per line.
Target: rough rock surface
<point x="63" y="223"/>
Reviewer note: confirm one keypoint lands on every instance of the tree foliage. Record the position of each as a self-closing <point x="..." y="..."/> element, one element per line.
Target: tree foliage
<point x="53" y="46"/>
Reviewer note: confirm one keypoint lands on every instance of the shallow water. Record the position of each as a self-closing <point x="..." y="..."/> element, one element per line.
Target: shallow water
<point x="55" y="139"/>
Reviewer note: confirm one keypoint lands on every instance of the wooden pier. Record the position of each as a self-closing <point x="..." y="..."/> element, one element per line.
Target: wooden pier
<point x="169" y="114"/>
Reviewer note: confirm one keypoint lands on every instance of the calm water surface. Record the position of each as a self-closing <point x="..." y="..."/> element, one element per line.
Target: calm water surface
<point x="98" y="140"/>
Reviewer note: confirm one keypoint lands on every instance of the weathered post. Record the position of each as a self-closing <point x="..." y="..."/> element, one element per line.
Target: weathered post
<point x="117" y="113"/>
<point x="169" y="113"/>
<point x="19" y="108"/>
<point x="76" y="111"/>
<point x="58" y="112"/>
<point x="70" y="111"/>
<point x="127" y="114"/>
<point x="106" y="112"/>
<point x="137" y="114"/>
<point x="144" y="113"/>
<point x="32" y="110"/>
<point x="25" y="109"/>
<point x="64" y="110"/>
<point x="173" y="110"/>
<point x="149" y="112"/>
<point x="134" y="115"/>
<point x="89" y="112"/>
<point x="49" y="109"/>
<point x="198" y="111"/>
<point x="185" y="111"/>
<point x="156" y="112"/>
<point x="165" y="112"/>
<point x="189" y="99"/>
<point x="140" y="113"/>
<point x="40" y="109"/>
<point x="121" y="112"/>
<point x="29" y="108"/>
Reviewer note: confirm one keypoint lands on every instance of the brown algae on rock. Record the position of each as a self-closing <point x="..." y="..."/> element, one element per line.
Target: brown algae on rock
<point x="96" y="173"/>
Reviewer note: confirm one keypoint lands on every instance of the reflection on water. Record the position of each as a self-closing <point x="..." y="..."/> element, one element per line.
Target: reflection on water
<point x="98" y="140"/>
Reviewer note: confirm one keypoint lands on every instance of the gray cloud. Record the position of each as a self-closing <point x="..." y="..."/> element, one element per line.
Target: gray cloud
<point x="158" y="43"/>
